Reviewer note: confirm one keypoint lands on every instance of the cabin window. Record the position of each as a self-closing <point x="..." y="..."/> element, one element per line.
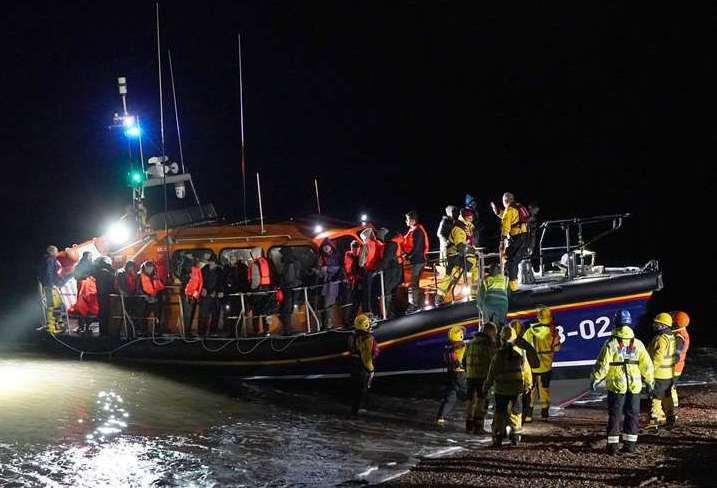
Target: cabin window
<point x="243" y="254"/>
<point x="184" y="255"/>
<point x="306" y="255"/>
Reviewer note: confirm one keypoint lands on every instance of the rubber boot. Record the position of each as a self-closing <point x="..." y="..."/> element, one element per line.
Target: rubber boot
<point x="612" y="449"/>
<point x="629" y="447"/>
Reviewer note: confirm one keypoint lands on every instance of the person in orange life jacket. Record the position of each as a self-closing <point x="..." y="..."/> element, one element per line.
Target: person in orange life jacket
<point x="127" y="284"/>
<point x="369" y="261"/>
<point x="263" y="303"/>
<point x="86" y="305"/>
<point x="330" y="273"/>
<point x="211" y="292"/>
<point x="152" y="287"/>
<point x="392" y="266"/>
<point x="352" y="291"/>
<point x="415" y="246"/>
<point x="104" y="275"/>
<point x="190" y="278"/>
<point x="514" y="235"/>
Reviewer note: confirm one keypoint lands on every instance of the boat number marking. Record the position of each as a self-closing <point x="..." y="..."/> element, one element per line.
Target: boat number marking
<point x="587" y="329"/>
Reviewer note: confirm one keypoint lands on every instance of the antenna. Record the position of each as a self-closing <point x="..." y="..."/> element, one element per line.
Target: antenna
<point x="159" y="69"/>
<point x="318" y="203"/>
<point x="261" y="210"/>
<point x="241" y="125"/>
<point x="179" y="133"/>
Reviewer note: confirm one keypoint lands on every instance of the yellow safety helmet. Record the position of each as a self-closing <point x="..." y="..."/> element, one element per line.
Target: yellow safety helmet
<point x="517" y="326"/>
<point x="362" y="322"/>
<point x="545" y="315"/>
<point x="664" y="319"/>
<point x="456" y="333"/>
<point x="508" y="334"/>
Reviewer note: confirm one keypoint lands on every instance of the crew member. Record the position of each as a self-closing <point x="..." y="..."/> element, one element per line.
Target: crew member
<point x="461" y="258"/>
<point x="415" y="247"/>
<point x="514" y="235"/>
<point x="479" y="354"/>
<point x="364" y="351"/>
<point x="680" y="321"/>
<point x="444" y="229"/>
<point x="208" y="302"/>
<point x="455" y="373"/>
<point x="494" y="296"/>
<point x="152" y="288"/>
<point x="510" y="375"/>
<point x="662" y="350"/>
<point x="51" y="279"/>
<point x="624" y="364"/>
<point x="546" y="341"/>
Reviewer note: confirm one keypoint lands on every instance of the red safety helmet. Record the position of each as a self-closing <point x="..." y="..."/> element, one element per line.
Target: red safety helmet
<point x="680" y="320"/>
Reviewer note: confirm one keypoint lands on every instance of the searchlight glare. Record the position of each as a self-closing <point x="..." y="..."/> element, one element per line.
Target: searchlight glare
<point x="118" y="233"/>
<point x="318" y="229"/>
<point x="128" y="121"/>
<point x="133" y="131"/>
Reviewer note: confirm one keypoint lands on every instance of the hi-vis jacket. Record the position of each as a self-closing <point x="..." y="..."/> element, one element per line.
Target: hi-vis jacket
<point x="479" y="354"/>
<point x="509" y="372"/>
<point x="662" y="351"/>
<point x="461" y="236"/>
<point x="546" y="343"/>
<point x="624" y="362"/>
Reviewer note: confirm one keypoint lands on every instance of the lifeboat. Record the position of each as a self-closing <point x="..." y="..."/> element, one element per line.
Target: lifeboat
<point x="252" y="342"/>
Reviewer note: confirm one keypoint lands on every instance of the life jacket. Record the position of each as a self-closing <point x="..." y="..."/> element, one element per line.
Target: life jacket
<point x="264" y="271"/>
<point x="195" y="283"/>
<point x="374" y="253"/>
<point x="523" y="214"/>
<point x="87" y="303"/>
<point x="479" y="354"/>
<point x="623" y="362"/>
<point x="453" y="356"/>
<point x="363" y="349"/>
<point x="510" y="371"/>
<point x="351" y="267"/>
<point x="150" y="285"/>
<point x="408" y="240"/>
<point x="682" y="341"/>
<point x="546" y="342"/>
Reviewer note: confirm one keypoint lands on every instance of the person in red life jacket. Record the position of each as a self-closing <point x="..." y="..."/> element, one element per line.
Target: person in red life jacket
<point x="104" y="275"/>
<point x="127" y="284"/>
<point x="352" y="290"/>
<point x="330" y="274"/>
<point x="415" y="246"/>
<point x="87" y="305"/>
<point x="152" y="287"/>
<point x="392" y="267"/>
<point x="369" y="261"/>
<point x="263" y="302"/>
<point x="192" y="294"/>
<point x="208" y="302"/>
<point x="680" y="321"/>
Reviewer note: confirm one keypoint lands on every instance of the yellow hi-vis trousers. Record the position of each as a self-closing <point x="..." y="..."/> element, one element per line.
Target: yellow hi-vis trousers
<point x="662" y="404"/>
<point x="454" y="272"/>
<point x="540" y="395"/>
<point x="673" y="393"/>
<point x="53" y="301"/>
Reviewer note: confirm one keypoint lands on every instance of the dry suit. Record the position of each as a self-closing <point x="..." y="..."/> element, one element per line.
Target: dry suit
<point x="460" y="261"/>
<point x="363" y="350"/>
<point x="455" y="376"/>
<point x="546" y="343"/>
<point x="517" y="235"/>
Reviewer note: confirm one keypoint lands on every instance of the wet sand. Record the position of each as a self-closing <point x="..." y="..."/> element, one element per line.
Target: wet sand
<point x="570" y="451"/>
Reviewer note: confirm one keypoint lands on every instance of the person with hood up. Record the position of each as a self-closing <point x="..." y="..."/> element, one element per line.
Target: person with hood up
<point x="330" y="275"/>
<point x="83" y="268"/>
<point x="625" y="365"/>
<point x="209" y="297"/>
<point x="193" y="281"/>
<point x="290" y="282"/>
<point x="415" y="246"/>
<point x="510" y="375"/>
<point x="104" y="275"/>
<point x="127" y="284"/>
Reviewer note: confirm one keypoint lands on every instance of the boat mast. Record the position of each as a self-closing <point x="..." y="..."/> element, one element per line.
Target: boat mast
<point x="318" y="203"/>
<point x="241" y="125"/>
<point x="261" y="210"/>
<point x="161" y="126"/>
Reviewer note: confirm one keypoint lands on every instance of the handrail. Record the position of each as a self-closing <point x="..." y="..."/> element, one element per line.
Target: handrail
<point x="233" y="238"/>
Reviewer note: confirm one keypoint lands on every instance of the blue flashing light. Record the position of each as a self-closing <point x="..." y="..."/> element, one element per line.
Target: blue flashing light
<point x="133" y="132"/>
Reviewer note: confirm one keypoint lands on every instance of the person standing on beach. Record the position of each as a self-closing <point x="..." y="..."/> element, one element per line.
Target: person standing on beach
<point x="363" y="349"/>
<point x="623" y="363"/>
<point x="455" y="373"/>
<point x="479" y="354"/>
<point x="680" y="321"/>
<point x="662" y="350"/>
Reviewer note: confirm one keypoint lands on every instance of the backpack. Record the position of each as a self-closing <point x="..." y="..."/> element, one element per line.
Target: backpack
<point x="523" y="214"/>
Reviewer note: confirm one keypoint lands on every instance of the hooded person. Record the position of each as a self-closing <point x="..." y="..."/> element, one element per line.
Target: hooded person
<point x="127" y="284"/>
<point x="624" y="364"/>
<point x="352" y="290"/>
<point x="104" y="275"/>
<point x="330" y="272"/>
<point x="212" y="291"/>
<point x="510" y="376"/>
<point x="290" y="281"/>
<point x="415" y="247"/>
<point x="369" y="261"/>
<point x="392" y="266"/>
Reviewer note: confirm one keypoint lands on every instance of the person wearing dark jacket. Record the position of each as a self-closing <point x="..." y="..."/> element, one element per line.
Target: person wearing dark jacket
<point x="235" y="280"/>
<point x="330" y="273"/>
<point x="104" y="275"/>
<point x="415" y="245"/>
<point x="83" y="268"/>
<point x="211" y="293"/>
<point x="392" y="266"/>
<point x="290" y="278"/>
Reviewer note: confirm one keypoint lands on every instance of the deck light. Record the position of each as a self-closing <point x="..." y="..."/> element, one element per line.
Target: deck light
<point x="133" y="131"/>
<point x="118" y="233"/>
<point x="318" y="229"/>
<point x="364" y="218"/>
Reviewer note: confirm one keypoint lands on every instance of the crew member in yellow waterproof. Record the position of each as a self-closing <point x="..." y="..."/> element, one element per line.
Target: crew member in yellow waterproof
<point x="510" y="373"/>
<point x="514" y="235"/>
<point x="455" y="373"/>
<point x="50" y="280"/>
<point x="680" y="321"/>
<point x="479" y="354"/>
<point x="623" y="363"/>
<point x="363" y="350"/>
<point x="460" y="256"/>
<point x="662" y="351"/>
<point x="544" y="338"/>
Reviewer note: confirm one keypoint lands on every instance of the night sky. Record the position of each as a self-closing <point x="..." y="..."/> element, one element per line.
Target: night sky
<point x="392" y="105"/>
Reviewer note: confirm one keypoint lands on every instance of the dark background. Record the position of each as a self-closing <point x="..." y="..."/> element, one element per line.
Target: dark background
<point x="392" y="105"/>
